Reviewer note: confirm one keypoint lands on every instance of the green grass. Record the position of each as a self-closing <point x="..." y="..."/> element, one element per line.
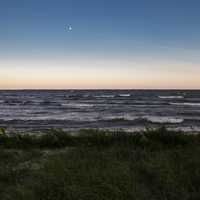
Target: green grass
<point x="151" y="139"/>
<point x="100" y="165"/>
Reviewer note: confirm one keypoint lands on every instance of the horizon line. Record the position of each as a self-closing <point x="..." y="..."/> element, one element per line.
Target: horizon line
<point x="60" y="89"/>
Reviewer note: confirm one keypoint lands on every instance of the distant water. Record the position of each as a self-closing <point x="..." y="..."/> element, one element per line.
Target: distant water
<point x="110" y="109"/>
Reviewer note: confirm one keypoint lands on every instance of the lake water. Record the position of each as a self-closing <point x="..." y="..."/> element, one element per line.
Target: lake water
<point x="108" y="109"/>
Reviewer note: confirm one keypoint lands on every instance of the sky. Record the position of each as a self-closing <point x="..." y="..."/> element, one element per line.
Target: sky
<point x="95" y="44"/>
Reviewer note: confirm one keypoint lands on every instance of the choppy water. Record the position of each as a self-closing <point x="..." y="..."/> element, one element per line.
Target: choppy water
<point x="113" y="109"/>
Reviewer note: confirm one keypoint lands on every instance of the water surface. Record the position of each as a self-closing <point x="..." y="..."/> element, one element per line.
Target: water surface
<point x="113" y="109"/>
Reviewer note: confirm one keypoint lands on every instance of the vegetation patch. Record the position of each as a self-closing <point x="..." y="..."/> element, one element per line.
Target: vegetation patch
<point x="101" y="165"/>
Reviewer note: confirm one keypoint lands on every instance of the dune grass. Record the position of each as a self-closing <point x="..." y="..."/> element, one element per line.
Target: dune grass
<point x="153" y="139"/>
<point x="100" y="165"/>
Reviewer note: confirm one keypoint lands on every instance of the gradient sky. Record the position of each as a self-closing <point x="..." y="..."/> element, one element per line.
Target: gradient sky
<point x="113" y="44"/>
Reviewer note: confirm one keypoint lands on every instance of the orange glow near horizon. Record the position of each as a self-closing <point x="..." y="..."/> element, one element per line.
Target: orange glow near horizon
<point x="97" y="74"/>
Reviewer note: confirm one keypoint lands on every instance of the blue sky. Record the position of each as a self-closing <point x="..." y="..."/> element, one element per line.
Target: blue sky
<point x="158" y="38"/>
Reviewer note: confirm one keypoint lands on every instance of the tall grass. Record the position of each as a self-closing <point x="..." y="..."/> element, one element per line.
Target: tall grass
<point x="100" y="165"/>
<point x="160" y="138"/>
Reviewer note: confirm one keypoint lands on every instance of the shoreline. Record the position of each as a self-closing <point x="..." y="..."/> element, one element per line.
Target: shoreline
<point x="140" y="124"/>
<point x="34" y="130"/>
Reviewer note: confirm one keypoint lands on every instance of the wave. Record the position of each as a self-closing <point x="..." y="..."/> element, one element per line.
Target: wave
<point x="104" y="96"/>
<point x="77" y="105"/>
<point x="49" y="103"/>
<point x="143" y="120"/>
<point x="185" y="104"/>
<point x="124" y="95"/>
<point x="171" y="97"/>
<point x="74" y="96"/>
<point x="13" y="102"/>
<point x="162" y="120"/>
<point x="120" y="118"/>
<point x="28" y="103"/>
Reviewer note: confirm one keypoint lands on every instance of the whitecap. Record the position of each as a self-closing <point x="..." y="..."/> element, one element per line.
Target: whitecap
<point x="77" y="105"/>
<point x="121" y="117"/>
<point x="105" y="96"/>
<point x="185" y="104"/>
<point x="162" y="119"/>
<point x="171" y="97"/>
<point x="124" y="95"/>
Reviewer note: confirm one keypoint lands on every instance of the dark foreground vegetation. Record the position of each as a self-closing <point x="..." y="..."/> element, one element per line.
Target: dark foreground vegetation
<point x="98" y="165"/>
